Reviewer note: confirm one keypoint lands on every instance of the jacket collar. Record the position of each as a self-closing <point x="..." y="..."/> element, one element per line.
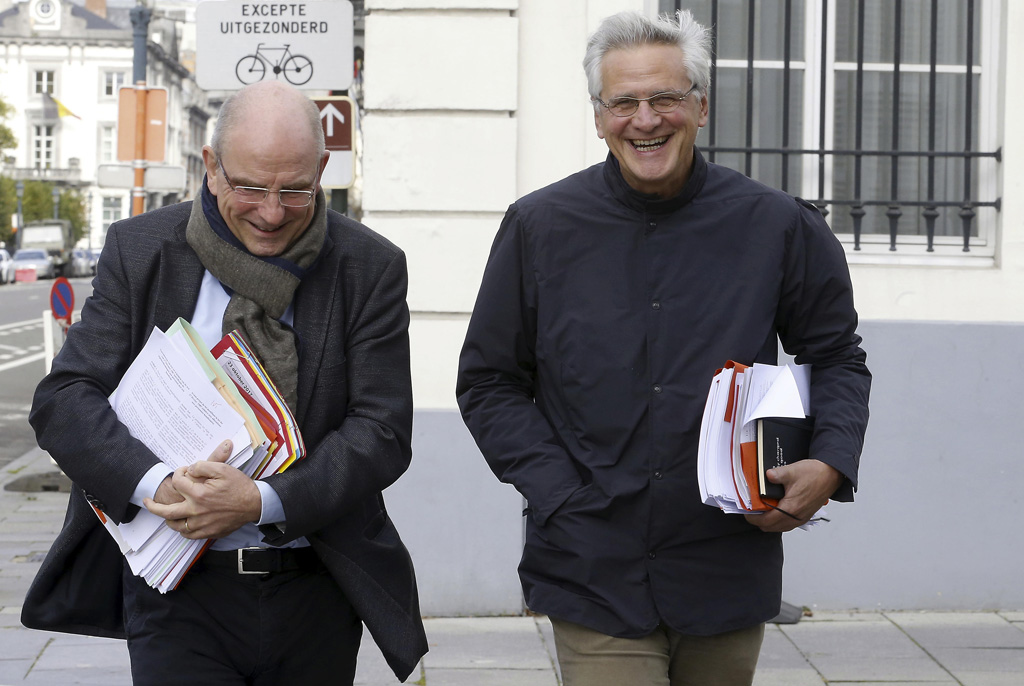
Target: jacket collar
<point x="313" y="303"/>
<point x="649" y="204"/>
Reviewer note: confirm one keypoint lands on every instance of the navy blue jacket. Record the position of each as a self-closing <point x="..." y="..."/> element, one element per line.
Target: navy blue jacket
<point x="602" y="317"/>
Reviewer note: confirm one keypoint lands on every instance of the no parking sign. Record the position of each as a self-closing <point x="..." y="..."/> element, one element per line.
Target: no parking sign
<point x="62" y="301"/>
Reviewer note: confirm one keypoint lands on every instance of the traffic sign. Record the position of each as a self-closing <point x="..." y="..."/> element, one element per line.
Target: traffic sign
<point x="337" y="116"/>
<point x="156" y="123"/>
<point x="62" y="300"/>
<point x="307" y="44"/>
<point x="160" y="178"/>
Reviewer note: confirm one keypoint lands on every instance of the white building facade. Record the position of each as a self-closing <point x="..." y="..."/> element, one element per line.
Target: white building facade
<point x="80" y="57"/>
<point x="470" y="104"/>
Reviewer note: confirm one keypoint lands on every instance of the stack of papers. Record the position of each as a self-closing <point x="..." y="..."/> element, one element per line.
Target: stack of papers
<point x="183" y="401"/>
<point x="727" y="467"/>
<point x="241" y="365"/>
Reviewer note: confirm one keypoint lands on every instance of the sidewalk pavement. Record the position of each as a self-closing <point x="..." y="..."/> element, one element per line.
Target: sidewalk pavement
<point x="880" y="648"/>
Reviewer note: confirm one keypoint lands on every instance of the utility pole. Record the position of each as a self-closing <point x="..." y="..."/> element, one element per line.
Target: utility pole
<point x="140" y="15"/>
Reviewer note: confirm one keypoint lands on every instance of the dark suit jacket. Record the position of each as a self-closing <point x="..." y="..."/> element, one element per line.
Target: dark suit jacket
<point x="354" y="411"/>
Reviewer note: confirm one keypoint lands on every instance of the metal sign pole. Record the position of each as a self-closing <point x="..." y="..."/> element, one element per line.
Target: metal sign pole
<point x="140" y="15"/>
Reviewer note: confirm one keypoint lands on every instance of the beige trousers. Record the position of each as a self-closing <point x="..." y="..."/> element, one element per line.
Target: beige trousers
<point x="662" y="658"/>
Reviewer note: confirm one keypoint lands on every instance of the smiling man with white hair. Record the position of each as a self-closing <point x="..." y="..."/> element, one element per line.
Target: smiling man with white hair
<point x="608" y="302"/>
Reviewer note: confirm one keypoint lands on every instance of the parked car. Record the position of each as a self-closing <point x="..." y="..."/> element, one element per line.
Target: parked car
<point x="6" y="275"/>
<point x="82" y="263"/>
<point x="33" y="258"/>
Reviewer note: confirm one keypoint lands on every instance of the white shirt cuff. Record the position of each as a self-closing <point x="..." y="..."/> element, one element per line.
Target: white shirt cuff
<point x="272" y="510"/>
<point x="150" y="481"/>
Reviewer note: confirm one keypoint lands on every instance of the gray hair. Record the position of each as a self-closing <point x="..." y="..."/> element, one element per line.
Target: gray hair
<point x="633" y="29"/>
<point x="235" y="107"/>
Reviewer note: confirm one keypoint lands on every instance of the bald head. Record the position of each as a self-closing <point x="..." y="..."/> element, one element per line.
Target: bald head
<point x="267" y="106"/>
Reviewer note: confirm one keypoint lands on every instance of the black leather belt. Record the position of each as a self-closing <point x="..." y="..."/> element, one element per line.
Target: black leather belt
<point x="263" y="560"/>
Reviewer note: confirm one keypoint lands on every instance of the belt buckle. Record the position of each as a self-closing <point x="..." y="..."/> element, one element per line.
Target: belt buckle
<point x="241" y="561"/>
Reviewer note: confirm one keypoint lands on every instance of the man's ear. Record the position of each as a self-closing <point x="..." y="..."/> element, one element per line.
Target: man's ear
<point x="323" y="165"/>
<point x="599" y="123"/>
<point x="212" y="172"/>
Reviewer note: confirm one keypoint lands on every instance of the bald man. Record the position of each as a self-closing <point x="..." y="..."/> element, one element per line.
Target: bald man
<point x="301" y="560"/>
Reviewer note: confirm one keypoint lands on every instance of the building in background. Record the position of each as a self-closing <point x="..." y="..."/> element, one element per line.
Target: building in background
<point x="894" y="116"/>
<point x="470" y="104"/>
<point x="61" y="66"/>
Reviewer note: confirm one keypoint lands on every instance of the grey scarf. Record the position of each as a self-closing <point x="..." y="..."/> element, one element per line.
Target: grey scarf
<point x="261" y="288"/>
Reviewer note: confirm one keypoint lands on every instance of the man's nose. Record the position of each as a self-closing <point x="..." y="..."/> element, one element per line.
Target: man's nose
<point x="645" y="114"/>
<point x="271" y="209"/>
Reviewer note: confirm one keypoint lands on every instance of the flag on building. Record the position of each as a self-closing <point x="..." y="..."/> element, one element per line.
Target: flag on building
<point x="54" y="108"/>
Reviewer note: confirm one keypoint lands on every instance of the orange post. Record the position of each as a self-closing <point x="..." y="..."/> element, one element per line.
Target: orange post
<point x="139" y="163"/>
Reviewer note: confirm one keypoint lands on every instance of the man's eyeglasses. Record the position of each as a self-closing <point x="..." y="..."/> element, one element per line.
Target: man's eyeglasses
<point x="254" y="195"/>
<point x="662" y="103"/>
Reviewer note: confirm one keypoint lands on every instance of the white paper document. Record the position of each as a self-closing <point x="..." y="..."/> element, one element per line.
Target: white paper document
<point x="737" y="398"/>
<point x="168" y="403"/>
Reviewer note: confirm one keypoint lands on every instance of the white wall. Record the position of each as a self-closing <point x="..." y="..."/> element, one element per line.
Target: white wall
<point x="473" y="103"/>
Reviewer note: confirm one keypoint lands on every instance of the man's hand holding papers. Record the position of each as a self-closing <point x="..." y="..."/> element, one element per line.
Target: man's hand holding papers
<point x="217" y="422"/>
<point x="727" y="460"/>
<point x="213" y="498"/>
<point x="809" y="483"/>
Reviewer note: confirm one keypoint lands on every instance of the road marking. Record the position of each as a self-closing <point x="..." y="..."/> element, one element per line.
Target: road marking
<point x="22" y="361"/>
<point x="33" y="323"/>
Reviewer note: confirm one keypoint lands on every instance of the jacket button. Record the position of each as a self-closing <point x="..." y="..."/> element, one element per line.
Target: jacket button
<point x="657" y="388"/>
<point x="657" y="474"/>
<point x="655" y="305"/>
<point x="651" y="555"/>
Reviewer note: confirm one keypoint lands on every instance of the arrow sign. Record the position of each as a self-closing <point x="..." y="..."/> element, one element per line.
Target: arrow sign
<point x="338" y="118"/>
<point x="331" y="113"/>
<point x="62" y="299"/>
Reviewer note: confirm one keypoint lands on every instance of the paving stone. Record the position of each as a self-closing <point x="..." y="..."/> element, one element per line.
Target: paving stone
<point x="787" y="677"/>
<point x="863" y="651"/>
<point x="934" y="630"/>
<point x="13" y="671"/>
<point x="101" y="676"/>
<point x="84" y="654"/>
<point x="485" y="643"/>
<point x="491" y="677"/>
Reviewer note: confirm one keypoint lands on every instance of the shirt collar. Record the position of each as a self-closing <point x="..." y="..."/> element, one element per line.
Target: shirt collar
<point x="636" y="200"/>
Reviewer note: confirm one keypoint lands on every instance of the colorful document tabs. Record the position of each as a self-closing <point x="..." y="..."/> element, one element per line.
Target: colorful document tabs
<point x="728" y="471"/>
<point x="182" y="401"/>
<point x="251" y="379"/>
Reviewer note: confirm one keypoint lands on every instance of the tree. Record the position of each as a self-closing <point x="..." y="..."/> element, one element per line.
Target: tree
<point x="7" y="138"/>
<point x="8" y="200"/>
<point x="37" y="203"/>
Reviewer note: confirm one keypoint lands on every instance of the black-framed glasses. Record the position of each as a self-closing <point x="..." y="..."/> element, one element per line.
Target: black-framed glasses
<point x="663" y="103"/>
<point x="254" y="195"/>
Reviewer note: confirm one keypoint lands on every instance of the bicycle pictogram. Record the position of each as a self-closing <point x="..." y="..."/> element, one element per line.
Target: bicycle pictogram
<point x="297" y="69"/>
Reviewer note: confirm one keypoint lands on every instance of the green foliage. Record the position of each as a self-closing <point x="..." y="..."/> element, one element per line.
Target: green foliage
<point x="37" y="203"/>
<point x="7" y="138"/>
<point x="72" y="208"/>
<point x="8" y="208"/>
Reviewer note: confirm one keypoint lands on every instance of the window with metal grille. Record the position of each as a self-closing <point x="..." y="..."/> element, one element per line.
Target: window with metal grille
<point x="881" y="112"/>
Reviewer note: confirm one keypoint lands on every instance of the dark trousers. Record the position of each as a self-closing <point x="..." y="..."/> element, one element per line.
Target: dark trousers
<point x="220" y="628"/>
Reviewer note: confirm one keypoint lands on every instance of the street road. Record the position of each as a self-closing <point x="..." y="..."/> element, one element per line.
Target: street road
<point x="22" y="354"/>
